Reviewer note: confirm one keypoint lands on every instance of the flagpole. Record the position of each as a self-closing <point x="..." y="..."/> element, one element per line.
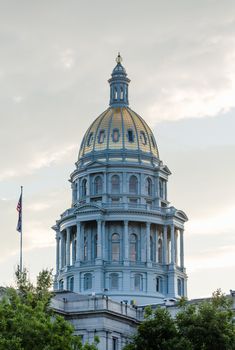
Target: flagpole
<point x="21" y="233"/>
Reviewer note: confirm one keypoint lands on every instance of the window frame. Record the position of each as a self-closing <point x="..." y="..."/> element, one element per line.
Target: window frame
<point x="117" y="185"/>
<point x="87" y="281"/>
<point x="130" y="135"/>
<point x="131" y="185"/>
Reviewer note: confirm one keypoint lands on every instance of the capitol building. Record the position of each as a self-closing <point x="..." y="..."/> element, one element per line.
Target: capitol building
<point x="120" y="245"/>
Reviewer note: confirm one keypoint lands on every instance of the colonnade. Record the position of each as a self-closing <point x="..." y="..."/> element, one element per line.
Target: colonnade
<point x="168" y="244"/>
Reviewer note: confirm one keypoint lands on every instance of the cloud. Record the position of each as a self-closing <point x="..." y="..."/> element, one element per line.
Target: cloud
<point x="67" y="58"/>
<point x="221" y="258"/>
<point x="220" y="223"/>
<point x="40" y="160"/>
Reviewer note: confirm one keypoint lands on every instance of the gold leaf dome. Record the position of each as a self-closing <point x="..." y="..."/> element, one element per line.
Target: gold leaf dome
<point x="119" y="129"/>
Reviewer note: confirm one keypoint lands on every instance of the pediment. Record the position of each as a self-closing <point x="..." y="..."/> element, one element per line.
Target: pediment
<point x="94" y="164"/>
<point x="180" y="214"/>
<point x="88" y="207"/>
<point x="166" y="170"/>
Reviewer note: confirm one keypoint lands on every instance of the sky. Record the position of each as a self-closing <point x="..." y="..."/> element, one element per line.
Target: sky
<point x="55" y="60"/>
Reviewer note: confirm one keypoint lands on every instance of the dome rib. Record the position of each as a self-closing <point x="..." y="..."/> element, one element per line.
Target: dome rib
<point x="122" y="119"/>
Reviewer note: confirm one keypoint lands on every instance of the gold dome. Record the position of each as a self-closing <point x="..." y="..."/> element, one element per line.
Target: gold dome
<point x="119" y="129"/>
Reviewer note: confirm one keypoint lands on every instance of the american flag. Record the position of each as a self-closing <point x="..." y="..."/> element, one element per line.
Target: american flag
<point x="19" y="209"/>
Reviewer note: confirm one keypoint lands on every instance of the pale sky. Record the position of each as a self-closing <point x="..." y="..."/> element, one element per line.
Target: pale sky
<point x="55" y="60"/>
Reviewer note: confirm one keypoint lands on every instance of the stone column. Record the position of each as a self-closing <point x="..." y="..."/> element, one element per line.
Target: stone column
<point x="126" y="243"/>
<point x="148" y="241"/>
<point x="82" y="241"/>
<point x="74" y="192"/>
<point x="73" y="250"/>
<point x="88" y="191"/>
<point x="172" y="244"/>
<point x="182" y="248"/>
<point x="68" y="234"/>
<point x="62" y="250"/>
<point x="176" y="247"/>
<point x="78" y="243"/>
<point x="99" y="239"/>
<point x="57" y="251"/>
<point x="156" y="245"/>
<point x="165" y="255"/>
<point x="104" y="243"/>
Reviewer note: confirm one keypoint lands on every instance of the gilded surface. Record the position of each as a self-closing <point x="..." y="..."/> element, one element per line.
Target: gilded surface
<point x="110" y="132"/>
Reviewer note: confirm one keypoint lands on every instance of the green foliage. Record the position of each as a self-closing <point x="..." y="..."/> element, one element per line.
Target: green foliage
<point x="27" y="322"/>
<point x="158" y="332"/>
<point x="206" y="326"/>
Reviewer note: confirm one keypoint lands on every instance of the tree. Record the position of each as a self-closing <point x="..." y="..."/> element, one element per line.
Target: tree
<point x="27" y="321"/>
<point x="158" y="332"/>
<point x="206" y="326"/>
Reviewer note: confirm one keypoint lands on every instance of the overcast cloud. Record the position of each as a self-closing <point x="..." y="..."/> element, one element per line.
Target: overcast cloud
<point x="55" y="60"/>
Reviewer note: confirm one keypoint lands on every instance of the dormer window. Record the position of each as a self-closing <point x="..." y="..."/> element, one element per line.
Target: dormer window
<point x="90" y="138"/>
<point x="116" y="135"/>
<point x="143" y="138"/>
<point x="153" y="141"/>
<point x="101" y="136"/>
<point x="130" y="135"/>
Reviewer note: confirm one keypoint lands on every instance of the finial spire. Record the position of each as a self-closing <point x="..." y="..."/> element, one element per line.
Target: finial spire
<point x="119" y="58"/>
<point x="119" y="85"/>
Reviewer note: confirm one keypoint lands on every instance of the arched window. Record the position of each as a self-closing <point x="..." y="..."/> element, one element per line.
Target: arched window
<point x="87" y="281"/>
<point x="138" y="282"/>
<point x="71" y="283"/>
<point x="133" y="184"/>
<point x="98" y="185"/>
<point x="122" y="94"/>
<point x="115" y="93"/>
<point x="159" y="286"/>
<point x="61" y="285"/>
<point x="180" y="287"/>
<point x="160" y="251"/>
<point x="115" y="184"/>
<point x="84" y="188"/>
<point x="115" y="247"/>
<point x="133" y="247"/>
<point x="85" y="248"/>
<point x="149" y="186"/>
<point x="114" y="281"/>
<point x="160" y="189"/>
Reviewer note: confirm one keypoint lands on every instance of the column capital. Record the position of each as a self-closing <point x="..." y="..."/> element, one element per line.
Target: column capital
<point x="148" y="224"/>
<point x="126" y="222"/>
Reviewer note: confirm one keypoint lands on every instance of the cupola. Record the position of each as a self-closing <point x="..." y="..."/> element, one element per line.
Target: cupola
<point x="119" y="85"/>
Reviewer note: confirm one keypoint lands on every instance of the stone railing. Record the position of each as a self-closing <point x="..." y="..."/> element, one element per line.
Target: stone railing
<point x="94" y="304"/>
